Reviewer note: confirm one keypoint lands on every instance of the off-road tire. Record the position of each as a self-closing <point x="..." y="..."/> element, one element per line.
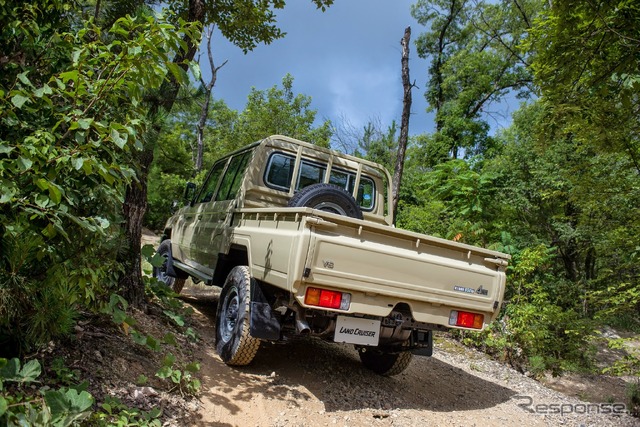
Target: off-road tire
<point x="383" y="362"/>
<point x="234" y="344"/>
<point x="175" y="283"/>
<point x="327" y="197"/>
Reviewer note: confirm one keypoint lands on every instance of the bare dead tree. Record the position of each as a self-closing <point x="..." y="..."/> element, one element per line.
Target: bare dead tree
<point x="208" y="88"/>
<point x="404" y="123"/>
<point x="349" y="138"/>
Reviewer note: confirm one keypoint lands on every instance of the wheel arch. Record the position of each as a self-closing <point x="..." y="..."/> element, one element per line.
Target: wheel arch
<point x="238" y="255"/>
<point x="166" y="234"/>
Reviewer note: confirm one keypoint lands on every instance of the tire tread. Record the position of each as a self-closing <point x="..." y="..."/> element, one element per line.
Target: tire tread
<point x="247" y="346"/>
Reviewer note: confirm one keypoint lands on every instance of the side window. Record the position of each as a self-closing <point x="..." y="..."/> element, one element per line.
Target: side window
<point x="280" y="171"/>
<point x="366" y="193"/>
<point x="210" y="185"/>
<point x="366" y="189"/>
<point x="233" y="177"/>
<point x="339" y="178"/>
<point x="310" y="174"/>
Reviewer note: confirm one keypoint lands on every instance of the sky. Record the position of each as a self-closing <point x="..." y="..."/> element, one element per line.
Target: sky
<point x="346" y="59"/>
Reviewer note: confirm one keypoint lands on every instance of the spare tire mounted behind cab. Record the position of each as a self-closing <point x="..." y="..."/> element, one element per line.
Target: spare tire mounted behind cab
<point x="329" y="198"/>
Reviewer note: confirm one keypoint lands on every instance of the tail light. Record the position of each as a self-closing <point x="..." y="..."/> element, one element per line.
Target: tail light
<point x="328" y="299"/>
<point x="466" y="319"/>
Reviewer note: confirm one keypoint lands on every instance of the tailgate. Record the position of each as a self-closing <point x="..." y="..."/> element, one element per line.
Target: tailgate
<point x="384" y="266"/>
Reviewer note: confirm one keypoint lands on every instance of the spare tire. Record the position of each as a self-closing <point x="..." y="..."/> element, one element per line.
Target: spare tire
<point x="327" y="197"/>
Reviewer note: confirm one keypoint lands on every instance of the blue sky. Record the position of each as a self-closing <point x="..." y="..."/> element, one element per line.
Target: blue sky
<point x="346" y="59"/>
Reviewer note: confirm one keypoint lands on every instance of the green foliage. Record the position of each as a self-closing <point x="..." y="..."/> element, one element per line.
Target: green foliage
<point x="114" y="413"/>
<point x="142" y="380"/>
<point x="117" y="309"/>
<point x="36" y="303"/>
<point x="427" y="218"/>
<point x="173" y="165"/>
<point x="468" y="196"/>
<point x="474" y="63"/>
<point x="566" y="209"/>
<point x="64" y="134"/>
<point x="19" y="405"/>
<point x="22" y="404"/>
<point x="633" y="397"/>
<point x="274" y="111"/>
<point x="12" y="371"/>
<point x="379" y="146"/>
<point x="180" y="379"/>
<point x="71" y="114"/>
<point x="591" y="89"/>
<point x="629" y="363"/>
<point x="173" y="308"/>
<point x="63" y="374"/>
<point x="165" y="190"/>
<point x="534" y="332"/>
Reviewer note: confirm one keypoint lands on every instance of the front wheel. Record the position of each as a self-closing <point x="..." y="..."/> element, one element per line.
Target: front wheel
<point x="385" y="362"/>
<point x="234" y="344"/>
<point x="175" y="283"/>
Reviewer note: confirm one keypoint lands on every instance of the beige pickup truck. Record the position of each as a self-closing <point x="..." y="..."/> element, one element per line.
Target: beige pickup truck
<point x="301" y="241"/>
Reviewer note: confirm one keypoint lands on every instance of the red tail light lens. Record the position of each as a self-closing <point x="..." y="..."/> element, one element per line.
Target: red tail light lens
<point x="466" y="319"/>
<point x="328" y="299"/>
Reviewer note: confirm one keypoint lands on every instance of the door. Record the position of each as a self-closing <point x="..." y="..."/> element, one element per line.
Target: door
<point x="213" y="215"/>
<point x="182" y="234"/>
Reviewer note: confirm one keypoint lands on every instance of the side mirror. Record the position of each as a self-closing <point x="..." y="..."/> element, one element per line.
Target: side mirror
<point x="189" y="193"/>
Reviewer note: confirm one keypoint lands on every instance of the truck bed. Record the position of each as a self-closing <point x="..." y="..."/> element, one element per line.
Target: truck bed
<point x="380" y="266"/>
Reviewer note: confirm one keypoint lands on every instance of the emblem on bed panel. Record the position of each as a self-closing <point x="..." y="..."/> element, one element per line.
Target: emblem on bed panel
<point x="482" y="291"/>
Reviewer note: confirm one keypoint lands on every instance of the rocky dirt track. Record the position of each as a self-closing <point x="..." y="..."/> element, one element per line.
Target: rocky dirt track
<point x="313" y="383"/>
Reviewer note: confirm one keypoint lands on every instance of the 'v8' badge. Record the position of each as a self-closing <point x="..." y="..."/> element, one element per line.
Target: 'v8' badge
<point x="327" y="264"/>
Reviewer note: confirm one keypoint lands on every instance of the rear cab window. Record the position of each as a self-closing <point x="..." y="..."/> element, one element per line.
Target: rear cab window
<point x="280" y="169"/>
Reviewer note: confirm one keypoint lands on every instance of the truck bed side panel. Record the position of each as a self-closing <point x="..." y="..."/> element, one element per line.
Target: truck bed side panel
<point x="279" y="243"/>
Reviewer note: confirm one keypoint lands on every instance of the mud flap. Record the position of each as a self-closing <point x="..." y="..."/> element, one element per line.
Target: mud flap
<point x="171" y="272"/>
<point x="422" y="343"/>
<point x="263" y="324"/>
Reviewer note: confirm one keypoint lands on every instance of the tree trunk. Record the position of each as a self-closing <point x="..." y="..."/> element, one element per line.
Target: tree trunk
<point x="135" y="202"/>
<point x="404" y="123"/>
<point x="134" y="208"/>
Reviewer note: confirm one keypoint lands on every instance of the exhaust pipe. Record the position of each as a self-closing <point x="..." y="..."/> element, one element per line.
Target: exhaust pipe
<point x="302" y="327"/>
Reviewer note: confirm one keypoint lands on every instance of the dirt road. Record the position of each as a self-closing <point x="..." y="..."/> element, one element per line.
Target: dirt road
<point x="312" y="383"/>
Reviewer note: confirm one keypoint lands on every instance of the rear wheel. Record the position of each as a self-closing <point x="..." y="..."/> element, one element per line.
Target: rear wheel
<point x="385" y="362"/>
<point x="175" y="283"/>
<point x="234" y="344"/>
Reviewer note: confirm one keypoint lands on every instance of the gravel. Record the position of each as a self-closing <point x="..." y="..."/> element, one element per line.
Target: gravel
<point x="315" y="383"/>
